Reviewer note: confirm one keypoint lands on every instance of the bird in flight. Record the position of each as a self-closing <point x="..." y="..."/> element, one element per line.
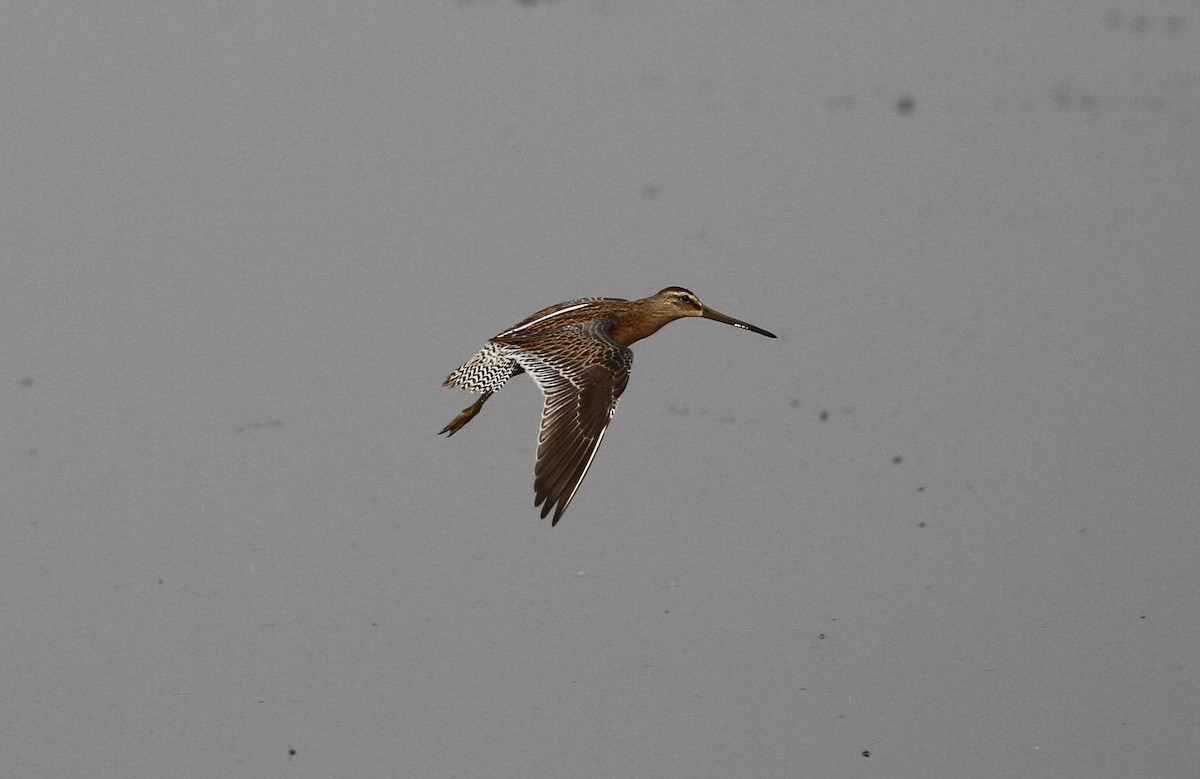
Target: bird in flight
<point x="578" y="354"/>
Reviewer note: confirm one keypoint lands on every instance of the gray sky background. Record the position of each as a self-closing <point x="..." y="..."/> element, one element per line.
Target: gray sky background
<point x="243" y="244"/>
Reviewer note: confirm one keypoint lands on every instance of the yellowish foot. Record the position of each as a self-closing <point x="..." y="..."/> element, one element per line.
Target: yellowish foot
<point x="465" y="416"/>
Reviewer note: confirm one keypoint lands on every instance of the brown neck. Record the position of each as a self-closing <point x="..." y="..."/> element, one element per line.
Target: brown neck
<point x="635" y="326"/>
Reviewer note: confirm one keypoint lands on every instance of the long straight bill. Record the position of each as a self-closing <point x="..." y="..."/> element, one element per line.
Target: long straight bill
<point x="717" y="316"/>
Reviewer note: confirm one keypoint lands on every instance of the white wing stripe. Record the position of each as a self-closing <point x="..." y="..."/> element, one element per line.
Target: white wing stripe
<point x="564" y="503"/>
<point x="552" y="314"/>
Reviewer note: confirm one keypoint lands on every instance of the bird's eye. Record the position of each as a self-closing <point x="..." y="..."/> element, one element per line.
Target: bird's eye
<point x="685" y="298"/>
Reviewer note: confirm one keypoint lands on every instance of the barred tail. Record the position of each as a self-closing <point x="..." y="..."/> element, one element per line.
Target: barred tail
<point x="487" y="371"/>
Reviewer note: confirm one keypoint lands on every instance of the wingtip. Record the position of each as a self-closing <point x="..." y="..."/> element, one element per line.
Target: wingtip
<point x="547" y="505"/>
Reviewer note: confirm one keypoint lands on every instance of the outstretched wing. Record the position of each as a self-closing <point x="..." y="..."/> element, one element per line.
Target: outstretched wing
<point x="582" y="374"/>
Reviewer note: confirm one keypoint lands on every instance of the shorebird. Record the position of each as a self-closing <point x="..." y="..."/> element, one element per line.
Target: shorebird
<point x="578" y="354"/>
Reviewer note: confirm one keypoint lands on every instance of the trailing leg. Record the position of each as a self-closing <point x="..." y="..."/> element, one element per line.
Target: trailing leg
<point x="466" y="415"/>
